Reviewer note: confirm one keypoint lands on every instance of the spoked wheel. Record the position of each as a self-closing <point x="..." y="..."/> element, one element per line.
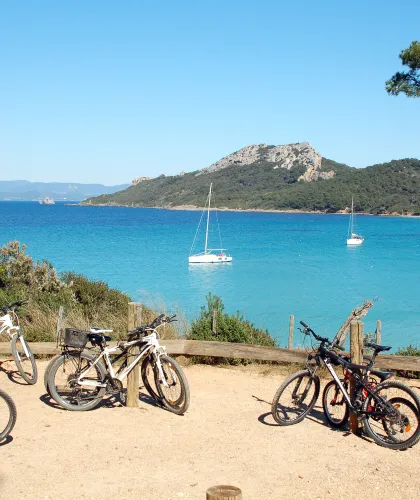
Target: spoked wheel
<point x="173" y="389"/>
<point x="149" y="377"/>
<point x="336" y="408"/>
<point x="7" y="415"/>
<point x="24" y="359"/>
<point x="295" y="398"/>
<point x="394" y="420"/>
<point x="63" y="385"/>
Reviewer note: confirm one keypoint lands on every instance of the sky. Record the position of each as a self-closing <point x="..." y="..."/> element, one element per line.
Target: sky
<point x="105" y="91"/>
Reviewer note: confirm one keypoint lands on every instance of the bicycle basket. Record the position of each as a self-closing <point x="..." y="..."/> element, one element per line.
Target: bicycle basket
<point x="75" y="338"/>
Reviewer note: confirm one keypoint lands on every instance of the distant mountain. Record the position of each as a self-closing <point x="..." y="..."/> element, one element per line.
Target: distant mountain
<point x="288" y="177"/>
<point x="25" y="190"/>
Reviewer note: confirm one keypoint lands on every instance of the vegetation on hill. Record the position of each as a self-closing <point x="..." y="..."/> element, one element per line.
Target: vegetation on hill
<point x="382" y="188"/>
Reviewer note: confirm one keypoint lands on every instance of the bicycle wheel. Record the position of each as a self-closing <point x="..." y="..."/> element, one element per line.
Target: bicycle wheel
<point x="335" y="406"/>
<point x="295" y="398"/>
<point x="62" y="381"/>
<point x="149" y="377"/>
<point x="7" y="415"/>
<point x="47" y="370"/>
<point x="174" y="390"/>
<point x="24" y="359"/>
<point x="399" y="428"/>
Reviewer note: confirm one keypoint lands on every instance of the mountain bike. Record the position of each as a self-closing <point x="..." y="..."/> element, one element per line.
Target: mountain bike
<point x="22" y="354"/>
<point x="78" y="380"/>
<point x="7" y="415"/>
<point x="389" y="410"/>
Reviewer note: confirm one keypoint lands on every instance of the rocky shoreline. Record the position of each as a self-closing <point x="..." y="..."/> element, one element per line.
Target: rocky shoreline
<point x="250" y="210"/>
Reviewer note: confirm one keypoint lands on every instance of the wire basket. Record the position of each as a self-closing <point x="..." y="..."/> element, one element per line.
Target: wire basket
<point x="75" y="338"/>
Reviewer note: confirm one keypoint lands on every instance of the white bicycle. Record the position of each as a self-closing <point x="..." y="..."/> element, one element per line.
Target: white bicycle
<point x="22" y="354"/>
<point x="78" y="380"/>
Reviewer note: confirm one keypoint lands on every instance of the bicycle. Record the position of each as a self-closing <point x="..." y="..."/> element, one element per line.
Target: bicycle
<point x="78" y="380"/>
<point x="7" y="415"/>
<point x="22" y="354"/>
<point x="392" y="421"/>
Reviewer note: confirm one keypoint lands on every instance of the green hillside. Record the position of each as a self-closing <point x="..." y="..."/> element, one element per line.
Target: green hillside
<point x="387" y="187"/>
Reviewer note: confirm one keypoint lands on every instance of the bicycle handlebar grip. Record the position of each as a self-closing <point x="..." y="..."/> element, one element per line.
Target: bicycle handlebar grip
<point x="304" y="324"/>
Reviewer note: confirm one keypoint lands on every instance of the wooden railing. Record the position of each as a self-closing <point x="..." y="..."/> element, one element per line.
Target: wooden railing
<point x="231" y="350"/>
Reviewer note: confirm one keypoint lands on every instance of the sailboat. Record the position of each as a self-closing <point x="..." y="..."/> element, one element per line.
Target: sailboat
<point x="353" y="238"/>
<point x="209" y="255"/>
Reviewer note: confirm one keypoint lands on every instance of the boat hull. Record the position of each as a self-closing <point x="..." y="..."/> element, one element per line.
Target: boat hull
<point x="354" y="241"/>
<point x="209" y="259"/>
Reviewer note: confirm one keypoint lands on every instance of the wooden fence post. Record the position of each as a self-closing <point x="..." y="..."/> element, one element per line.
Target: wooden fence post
<point x="213" y="322"/>
<point x="133" y="378"/>
<point x="291" y="327"/>
<point x="356" y="353"/>
<point x="224" y="492"/>
<point x="378" y="331"/>
<point x="59" y="324"/>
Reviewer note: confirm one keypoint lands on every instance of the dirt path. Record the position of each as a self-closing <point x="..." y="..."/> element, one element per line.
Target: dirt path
<point x="227" y="437"/>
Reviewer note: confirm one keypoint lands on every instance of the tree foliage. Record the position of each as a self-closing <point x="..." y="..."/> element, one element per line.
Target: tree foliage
<point x="407" y="82"/>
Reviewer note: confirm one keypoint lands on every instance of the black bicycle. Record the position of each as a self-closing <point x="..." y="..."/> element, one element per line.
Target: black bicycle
<point x="389" y="410"/>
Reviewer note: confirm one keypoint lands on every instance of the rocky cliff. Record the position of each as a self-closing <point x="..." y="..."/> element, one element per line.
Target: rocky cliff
<point x="301" y="154"/>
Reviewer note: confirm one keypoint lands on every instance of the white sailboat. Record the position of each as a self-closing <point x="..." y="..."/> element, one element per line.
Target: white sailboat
<point x="353" y="238"/>
<point x="209" y="255"/>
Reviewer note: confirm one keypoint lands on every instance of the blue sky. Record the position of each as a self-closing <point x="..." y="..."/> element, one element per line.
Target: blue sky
<point x="104" y="91"/>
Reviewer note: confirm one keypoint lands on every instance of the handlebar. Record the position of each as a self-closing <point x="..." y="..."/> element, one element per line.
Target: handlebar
<point x="160" y="320"/>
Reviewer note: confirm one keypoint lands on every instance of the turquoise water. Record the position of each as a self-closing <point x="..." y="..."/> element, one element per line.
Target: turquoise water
<point x="283" y="263"/>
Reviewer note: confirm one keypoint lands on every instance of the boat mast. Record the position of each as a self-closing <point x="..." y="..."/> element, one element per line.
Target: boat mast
<point x="208" y="218"/>
<point x="351" y="219"/>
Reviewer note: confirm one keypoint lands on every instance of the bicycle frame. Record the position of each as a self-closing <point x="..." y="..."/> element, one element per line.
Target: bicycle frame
<point x="152" y="344"/>
<point x="7" y="326"/>
<point x="360" y="382"/>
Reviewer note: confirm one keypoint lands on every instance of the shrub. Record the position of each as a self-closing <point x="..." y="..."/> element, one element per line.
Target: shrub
<point x="229" y="328"/>
<point x="410" y="350"/>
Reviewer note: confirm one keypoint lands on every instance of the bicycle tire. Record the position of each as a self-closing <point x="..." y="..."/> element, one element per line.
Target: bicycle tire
<point x="19" y="354"/>
<point x="298" y="376"/>
<point x="174" y="375"/>
<point x="413" y="402"/>
<point x="149" y="364"/>
<point x="7" y="429"/>
<point x="337" y="395"/>
<point x="91" y="400"/>
<point x="47" y="369"/>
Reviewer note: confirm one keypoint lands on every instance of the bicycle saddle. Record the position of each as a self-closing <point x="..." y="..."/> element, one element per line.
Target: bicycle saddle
<point x="382" y="375"/>
<point x="95" y="338"/>
<point x="377" y="347"/>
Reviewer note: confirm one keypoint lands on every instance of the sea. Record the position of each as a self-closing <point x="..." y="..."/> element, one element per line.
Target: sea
<point x="283" y="263"/>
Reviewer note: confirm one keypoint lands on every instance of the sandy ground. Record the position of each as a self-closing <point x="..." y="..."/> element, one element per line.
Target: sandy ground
<point x="227" y="437"/>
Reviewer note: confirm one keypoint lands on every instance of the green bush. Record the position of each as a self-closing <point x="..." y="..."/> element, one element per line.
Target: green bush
<point x="86" y="302"/>
<point x="229" y="328"/>
<point x="410" y="350"/>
